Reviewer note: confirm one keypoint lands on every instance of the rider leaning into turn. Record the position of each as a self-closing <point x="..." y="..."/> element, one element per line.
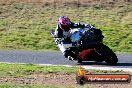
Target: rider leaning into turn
<point x="63" y="29"/>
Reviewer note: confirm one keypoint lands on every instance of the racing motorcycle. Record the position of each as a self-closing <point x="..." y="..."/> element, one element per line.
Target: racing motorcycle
<point x="87" y="45"/>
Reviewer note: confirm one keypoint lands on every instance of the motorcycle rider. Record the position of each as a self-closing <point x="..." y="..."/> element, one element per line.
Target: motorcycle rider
<point x="63" y="30"/>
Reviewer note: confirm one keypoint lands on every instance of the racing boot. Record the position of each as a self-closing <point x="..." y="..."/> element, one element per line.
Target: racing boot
<point x="69" y="54"/>
<point x="70" y="58"/>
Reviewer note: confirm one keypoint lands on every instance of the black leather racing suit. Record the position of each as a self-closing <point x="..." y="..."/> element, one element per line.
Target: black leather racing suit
<point x="59" y="34"/>
<point x="59" y="31"/>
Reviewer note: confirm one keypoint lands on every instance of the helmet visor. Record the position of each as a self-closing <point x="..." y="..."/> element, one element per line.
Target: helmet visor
<point x="65" y="28"/>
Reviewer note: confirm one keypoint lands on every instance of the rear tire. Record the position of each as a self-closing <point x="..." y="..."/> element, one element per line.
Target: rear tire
<point x="107" y="54"/>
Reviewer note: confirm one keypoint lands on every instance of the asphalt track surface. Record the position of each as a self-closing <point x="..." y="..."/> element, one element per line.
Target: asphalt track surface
<point x="56" y="58"/>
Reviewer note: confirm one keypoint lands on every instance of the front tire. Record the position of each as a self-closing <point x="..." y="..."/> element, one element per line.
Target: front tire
<point x="79" y="59"/>
<point x="107" y="54"/>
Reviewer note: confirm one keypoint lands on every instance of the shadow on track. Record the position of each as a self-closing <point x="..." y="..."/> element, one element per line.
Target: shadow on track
<point x="105" y="64"/>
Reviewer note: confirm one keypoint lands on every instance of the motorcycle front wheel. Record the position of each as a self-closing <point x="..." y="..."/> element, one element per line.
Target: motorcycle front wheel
<point x="107" y="54"/>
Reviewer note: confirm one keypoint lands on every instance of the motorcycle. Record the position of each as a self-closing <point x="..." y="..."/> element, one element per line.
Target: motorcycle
<point x="87" y="45"/>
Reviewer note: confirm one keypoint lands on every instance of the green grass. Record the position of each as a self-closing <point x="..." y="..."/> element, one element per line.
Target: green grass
<point x="17" y="70"/>
<point x="8" y="85"/>
<point x="28" y="25"/>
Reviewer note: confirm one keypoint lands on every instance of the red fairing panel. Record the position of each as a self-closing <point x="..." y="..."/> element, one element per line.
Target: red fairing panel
<point x="85" y="52"/>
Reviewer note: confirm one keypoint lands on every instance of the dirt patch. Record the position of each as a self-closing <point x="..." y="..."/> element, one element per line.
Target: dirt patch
<point x="57" y="79"/>
<point x="40" y="78"/>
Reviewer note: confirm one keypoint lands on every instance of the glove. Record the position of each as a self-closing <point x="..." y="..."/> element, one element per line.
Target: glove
<point x="89" y="26"/>
<point x="58" y="40"/>
<point x="81" y="24"/>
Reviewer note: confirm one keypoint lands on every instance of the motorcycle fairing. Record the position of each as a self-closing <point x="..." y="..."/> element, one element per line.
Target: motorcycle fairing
<point x="85" y="52"/>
